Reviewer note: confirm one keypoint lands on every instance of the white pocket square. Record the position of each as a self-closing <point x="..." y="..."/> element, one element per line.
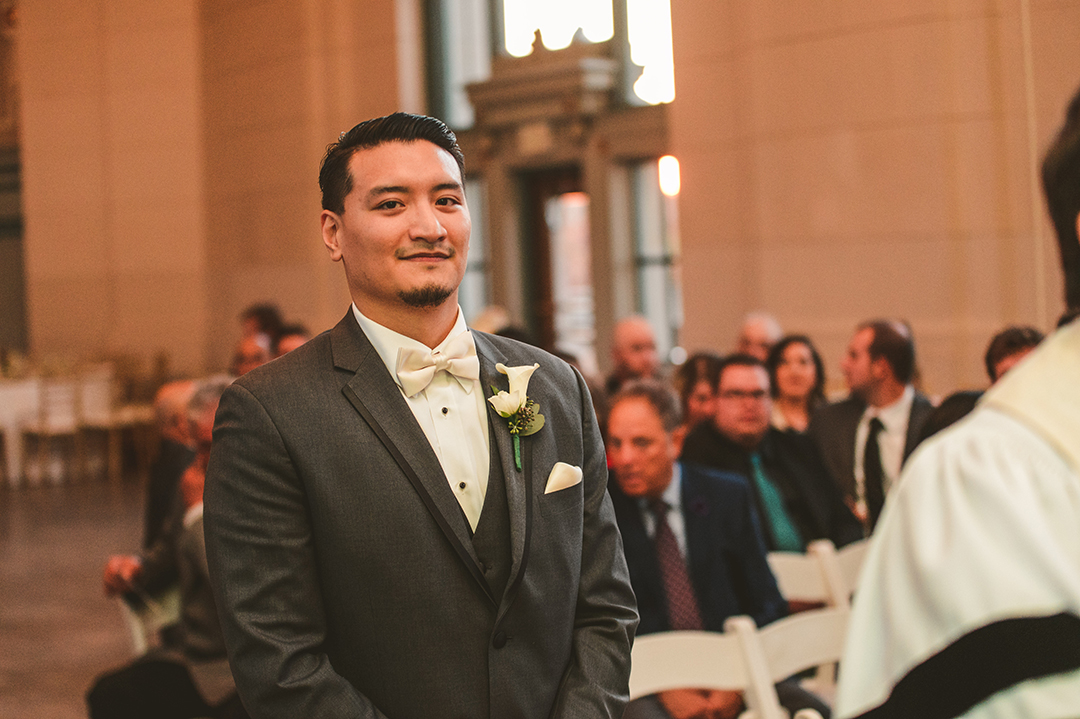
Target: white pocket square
<point x="562" y="475"/>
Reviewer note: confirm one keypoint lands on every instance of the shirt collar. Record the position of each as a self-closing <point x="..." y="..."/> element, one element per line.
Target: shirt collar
<point x="387" y="342"/>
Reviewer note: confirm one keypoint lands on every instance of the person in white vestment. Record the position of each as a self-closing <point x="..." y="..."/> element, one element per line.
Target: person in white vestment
<point x="969" y="602"/>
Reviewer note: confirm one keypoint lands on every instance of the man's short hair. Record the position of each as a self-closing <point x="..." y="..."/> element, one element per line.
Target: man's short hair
<point x="335" y="180"/>
<point x="1008" y="342"/>
<point x="1061" y="183"/>
<point x="658" y="394"/>
<point x="893" y="343"/>
<point x="736" y="359"/>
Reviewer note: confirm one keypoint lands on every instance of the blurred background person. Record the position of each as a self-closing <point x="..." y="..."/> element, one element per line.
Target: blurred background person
<point x="175" y="453"/>
<point x="251" y="352"/>
<point x="797" y="378"/>
<point x="759" y="332"/>
<point x="1008" y="347"/>
<point x="262" y="319"/>
<point x="292" y="336"/>
<point x="695" y="383"/>
<point x="633" y="353"/>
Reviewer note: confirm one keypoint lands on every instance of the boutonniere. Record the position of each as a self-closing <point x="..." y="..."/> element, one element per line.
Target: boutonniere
<point x="521" y="412"/>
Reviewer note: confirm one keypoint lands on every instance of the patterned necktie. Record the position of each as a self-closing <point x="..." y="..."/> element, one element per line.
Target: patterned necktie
<point x="682" y="606"/>
<point x="785" y="536"/>
<point x="416" y="368"/>
<point x="873" y="474"/>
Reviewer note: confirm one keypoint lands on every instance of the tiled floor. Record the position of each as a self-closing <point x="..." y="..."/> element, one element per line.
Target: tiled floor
<point x="57" y="629"/>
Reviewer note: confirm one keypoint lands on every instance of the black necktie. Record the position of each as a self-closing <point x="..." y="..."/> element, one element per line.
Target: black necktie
<point x="873" y="473"/>
<point x="682" y="605"/>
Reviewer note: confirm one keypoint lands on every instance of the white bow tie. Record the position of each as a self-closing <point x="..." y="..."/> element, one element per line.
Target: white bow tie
<point x="416" y="368"/>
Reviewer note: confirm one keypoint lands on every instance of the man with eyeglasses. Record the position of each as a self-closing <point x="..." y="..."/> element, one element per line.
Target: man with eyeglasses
<point x="793" y="493"/>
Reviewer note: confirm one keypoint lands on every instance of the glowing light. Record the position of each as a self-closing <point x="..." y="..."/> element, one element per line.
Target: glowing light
<point x="670" y="183"/>
<point x="648" y="30"/>
<point x="557" y="21"/>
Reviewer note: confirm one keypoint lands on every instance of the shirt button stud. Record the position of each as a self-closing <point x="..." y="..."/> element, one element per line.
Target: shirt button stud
<point x="445" y="410"/>
<point x="461" y="486"/>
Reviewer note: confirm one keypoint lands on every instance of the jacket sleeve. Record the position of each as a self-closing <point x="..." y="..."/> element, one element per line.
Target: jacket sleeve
<point x="596" y="682"/>
<point x="263" y="571"/>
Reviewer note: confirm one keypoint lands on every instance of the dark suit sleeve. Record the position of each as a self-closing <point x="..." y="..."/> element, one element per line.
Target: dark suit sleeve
<point x="263" y="571"/>
<point x="596" y="682"/>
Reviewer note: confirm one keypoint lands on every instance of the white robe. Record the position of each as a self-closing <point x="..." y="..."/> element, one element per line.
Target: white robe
<point x="984" y="526"/>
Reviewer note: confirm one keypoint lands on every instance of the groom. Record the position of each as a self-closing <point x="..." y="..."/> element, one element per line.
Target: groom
<point x="380" y="542"/>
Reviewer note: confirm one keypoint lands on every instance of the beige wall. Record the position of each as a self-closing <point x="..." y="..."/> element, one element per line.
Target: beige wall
<point x="844" y="160"/>
<point x="170" y="155"/>
<point x="112" y="198"/>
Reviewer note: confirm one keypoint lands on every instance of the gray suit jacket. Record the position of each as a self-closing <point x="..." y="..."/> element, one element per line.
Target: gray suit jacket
<point x="343" y="566"/>
<point x="833" y="428"/>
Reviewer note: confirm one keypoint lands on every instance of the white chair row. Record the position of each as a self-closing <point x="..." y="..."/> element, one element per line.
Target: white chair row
<point x="742" y="658"/>
<point x="49" y="411"/>
<point x="823" y="575"/>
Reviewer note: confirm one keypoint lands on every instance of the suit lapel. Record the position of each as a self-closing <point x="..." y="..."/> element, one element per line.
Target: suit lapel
<point x="519" y="484"/>
<point x="696" y="524"/>
<point x="375" y="395"/>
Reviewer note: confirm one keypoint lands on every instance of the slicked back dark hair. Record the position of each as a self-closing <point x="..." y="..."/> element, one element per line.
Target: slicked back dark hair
<point x="336" y="181"/>
<point x="1061" y="183"/>
<point x="893" y="342"/>
<point x="658" y="394"/>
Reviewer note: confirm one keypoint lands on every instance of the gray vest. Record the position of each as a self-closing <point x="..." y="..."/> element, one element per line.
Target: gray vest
<point x="491" y="540"/>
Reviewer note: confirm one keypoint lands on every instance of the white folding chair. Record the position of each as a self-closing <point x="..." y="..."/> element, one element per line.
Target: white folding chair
<point x="786" y="647"/>
<point x="678" y="660"/>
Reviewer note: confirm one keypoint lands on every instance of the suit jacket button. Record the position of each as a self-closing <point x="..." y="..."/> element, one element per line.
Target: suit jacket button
<point x="499" y="641"/>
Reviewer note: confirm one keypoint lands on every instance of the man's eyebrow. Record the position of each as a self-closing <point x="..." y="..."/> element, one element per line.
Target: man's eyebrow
<point x="403" y="190"/>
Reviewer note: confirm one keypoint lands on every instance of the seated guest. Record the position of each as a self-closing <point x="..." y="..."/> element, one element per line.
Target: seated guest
<point x="951" y="410"/>
<point x="1008" y="347"/>
<point x="291" y="337"/>
<point x="759" y="332"/>
<point x="793" y="492"/>
<point x="251" y="351"/>
<point x="262" y="319"/>
<point x="692" y="544"/>
<point x="200" y="652"/>
<point x="797" y="378"/>
<point x="695" y="382"/>
<point x="866" y="438"/>
<point x="633" y="353"/>
<point x="174" y="455"/>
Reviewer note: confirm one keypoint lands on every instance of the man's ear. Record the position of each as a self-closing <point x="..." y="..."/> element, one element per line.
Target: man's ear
<point x="678" y="435"/>
<point x="331" y="231"/>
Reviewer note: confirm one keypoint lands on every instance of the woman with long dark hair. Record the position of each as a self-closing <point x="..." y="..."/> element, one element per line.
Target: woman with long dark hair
<point x="797" y="378"/>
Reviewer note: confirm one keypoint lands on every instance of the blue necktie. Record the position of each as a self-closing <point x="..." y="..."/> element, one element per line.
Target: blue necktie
<point x="785" y="536"/>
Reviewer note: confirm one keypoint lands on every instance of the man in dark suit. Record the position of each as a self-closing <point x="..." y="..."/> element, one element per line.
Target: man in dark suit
<point x="792" y="491"/>
<point x="692" y="541"/>
<point x="381" y="542"/>
<point x="866" y="438"/>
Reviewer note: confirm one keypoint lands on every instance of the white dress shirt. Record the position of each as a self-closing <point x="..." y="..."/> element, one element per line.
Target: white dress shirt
<point x="450" y="410"/>
<point x="891" y="440"/>
<point x="673" y="496"/>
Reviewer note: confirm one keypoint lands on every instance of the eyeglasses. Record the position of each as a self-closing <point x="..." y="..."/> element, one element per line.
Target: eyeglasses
<point x="737" y="394"/>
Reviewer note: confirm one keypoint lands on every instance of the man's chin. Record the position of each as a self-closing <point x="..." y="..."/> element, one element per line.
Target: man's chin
<point x="426" y="297"/>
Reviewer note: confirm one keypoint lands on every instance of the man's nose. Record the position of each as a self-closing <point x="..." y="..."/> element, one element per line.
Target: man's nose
<point x="426" y="224"/>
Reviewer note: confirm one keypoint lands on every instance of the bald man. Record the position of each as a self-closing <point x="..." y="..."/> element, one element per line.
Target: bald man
<point x="633" y="353"/>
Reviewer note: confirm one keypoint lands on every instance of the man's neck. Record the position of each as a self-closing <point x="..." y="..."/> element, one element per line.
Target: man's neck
<point x="427" y="325"/>
<point x="885" y="394"/>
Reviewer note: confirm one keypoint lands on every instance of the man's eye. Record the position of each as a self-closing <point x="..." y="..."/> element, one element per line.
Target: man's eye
<point x="447" y="201"/>
<point x="390" y="205"/>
